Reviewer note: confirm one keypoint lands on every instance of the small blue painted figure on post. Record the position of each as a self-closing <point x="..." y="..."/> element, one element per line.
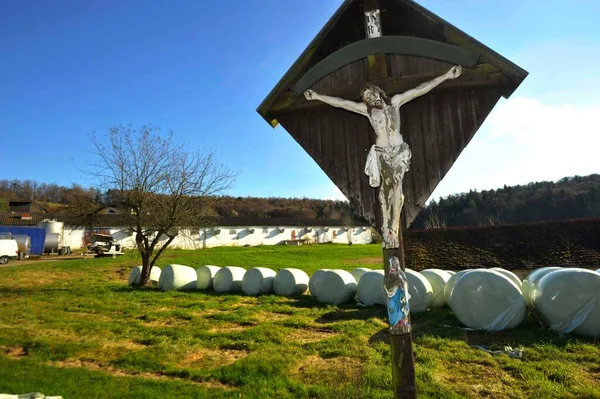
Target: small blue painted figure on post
<point x="396" y="288"/>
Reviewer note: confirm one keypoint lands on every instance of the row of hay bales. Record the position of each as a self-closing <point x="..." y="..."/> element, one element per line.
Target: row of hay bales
<point x="566" y="300"/>
<point x="328" y="286"/>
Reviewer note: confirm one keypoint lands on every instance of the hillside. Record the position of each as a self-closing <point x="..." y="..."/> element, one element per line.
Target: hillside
<point x="569" y="198"/>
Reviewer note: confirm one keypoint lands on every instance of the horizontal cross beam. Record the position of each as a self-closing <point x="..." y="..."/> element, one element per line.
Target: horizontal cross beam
<point x="482" y="77"/>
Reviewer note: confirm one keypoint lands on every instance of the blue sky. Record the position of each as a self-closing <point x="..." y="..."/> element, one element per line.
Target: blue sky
<point x="69" y="68"/>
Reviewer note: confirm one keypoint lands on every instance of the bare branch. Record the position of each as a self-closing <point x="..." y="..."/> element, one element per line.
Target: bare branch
<point x="157" y="185"/>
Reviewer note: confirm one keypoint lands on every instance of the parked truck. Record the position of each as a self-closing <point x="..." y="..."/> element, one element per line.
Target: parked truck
<point x="104" y="245"/>
<point x="9" y="249"/>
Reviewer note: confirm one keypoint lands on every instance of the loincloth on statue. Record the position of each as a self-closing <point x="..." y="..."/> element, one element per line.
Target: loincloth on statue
<point x="396" y="158"/>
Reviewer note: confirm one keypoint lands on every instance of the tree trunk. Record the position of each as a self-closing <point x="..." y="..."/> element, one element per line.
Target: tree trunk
<point x="145" y="276"/>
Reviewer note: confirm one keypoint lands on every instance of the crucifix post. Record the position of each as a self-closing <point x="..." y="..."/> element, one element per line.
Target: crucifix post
<point x="403" y="364"/>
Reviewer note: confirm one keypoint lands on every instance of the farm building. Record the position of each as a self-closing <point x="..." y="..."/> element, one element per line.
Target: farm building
<point x="225" y="232"/>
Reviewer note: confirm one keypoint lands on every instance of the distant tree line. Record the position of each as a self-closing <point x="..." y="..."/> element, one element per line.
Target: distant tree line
<point x="226" y="206"/>
<point x="569" y="198"/>
<point x="44" y="192"/>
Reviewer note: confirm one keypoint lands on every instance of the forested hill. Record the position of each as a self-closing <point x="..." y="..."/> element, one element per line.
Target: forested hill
<point x="57" y="198"/>
<point x="568" y="198"/>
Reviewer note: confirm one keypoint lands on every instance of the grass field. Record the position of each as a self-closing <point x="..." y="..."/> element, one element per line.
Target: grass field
<point x="74" y="328"/>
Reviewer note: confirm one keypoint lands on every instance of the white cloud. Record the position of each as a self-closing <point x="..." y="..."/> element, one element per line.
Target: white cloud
<point x="525" y="140"/>
<point x="336" y="195"/>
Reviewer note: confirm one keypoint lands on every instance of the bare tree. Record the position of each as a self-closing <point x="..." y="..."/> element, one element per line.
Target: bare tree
<point x="158" y="186"/>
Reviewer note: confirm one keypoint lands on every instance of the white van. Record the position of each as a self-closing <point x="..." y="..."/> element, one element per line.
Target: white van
<point x="8" y="250"/>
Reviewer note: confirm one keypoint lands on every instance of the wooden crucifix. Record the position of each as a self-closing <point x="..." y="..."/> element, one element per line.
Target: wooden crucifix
<point x="387" y="162"/>
<point x="442" y="85"/>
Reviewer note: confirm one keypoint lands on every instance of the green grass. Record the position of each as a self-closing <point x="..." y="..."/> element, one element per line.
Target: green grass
<point x="74" y="328"/>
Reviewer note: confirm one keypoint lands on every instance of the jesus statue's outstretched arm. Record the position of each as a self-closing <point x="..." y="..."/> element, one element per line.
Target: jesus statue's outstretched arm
<point x="359" y="108"/>
<point x="422" y="89"/>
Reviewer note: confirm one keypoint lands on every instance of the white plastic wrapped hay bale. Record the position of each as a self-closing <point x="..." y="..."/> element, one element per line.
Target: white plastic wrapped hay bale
<point x="290" y="282"/>
<point x="450" y="284"/>
<point x="510" y="275"/>
<point x="258" y="280"/>
<point x="335" y="287"/>
<point x="419" y="290"/>
<point x="313" y="281"/>
<point x="369" y="289"/>
<point x="229" y="279"/>
<point x="358" y="273"/>
<point x="136" y="273"/>
<point x="437" y="278"/>
<point x="487" y="300"/>
<point x="450" y="272"/>
<point x="532" y="279"/>
<point x="568" y="300"/>
<point x="205" y="276"/>
<point x="177" y="277"/>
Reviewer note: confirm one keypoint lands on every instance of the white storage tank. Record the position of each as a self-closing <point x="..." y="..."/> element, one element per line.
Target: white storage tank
<point x="54" y="227"/>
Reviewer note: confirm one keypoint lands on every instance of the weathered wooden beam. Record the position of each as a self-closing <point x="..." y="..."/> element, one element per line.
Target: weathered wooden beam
<point x="377" y="67"/>
<point x="483" y="76"/>
<point x="403" y="361"/>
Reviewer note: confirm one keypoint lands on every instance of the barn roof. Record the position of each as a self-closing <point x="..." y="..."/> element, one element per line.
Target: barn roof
<point x="399" y="17"/>
<point x="116" y="220"/>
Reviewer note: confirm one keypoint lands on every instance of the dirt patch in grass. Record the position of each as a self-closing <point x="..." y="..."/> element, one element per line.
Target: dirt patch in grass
<point x="476" y="380"/>
<point x="14" y="352"/>
<point x="73" y="363"/>
<point x="38" y="278"/>
<point x="211" y="358"/>
<point x="170" y="322"/>
<point x="363" y="261"/>
<point x="305" y="336"/>
<point x="266" y="317"/>
<point x="228" y="327"/>
<point x="334" y="371"/>
<point x="126" y="344"/>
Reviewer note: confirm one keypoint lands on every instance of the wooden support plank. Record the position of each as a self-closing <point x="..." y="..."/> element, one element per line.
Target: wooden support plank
<point x="480" y="77"/>
<point x="376" y="64"/>
<point x="403" y="361"/>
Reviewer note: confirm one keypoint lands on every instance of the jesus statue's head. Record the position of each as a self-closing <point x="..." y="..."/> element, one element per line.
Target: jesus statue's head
<point x="374" y="97"/>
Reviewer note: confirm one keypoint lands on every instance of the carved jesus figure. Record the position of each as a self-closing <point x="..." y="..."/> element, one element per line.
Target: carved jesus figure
<point x="389" y="159"/>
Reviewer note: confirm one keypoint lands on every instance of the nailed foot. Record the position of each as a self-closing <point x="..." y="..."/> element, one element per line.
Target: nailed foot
<point x="390" y="238"/>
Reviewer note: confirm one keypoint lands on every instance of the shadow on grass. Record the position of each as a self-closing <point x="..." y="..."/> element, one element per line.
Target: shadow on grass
<point x="350" y="312"/>
<point x="441" y="323"/>
<point x="437" y="323"/>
